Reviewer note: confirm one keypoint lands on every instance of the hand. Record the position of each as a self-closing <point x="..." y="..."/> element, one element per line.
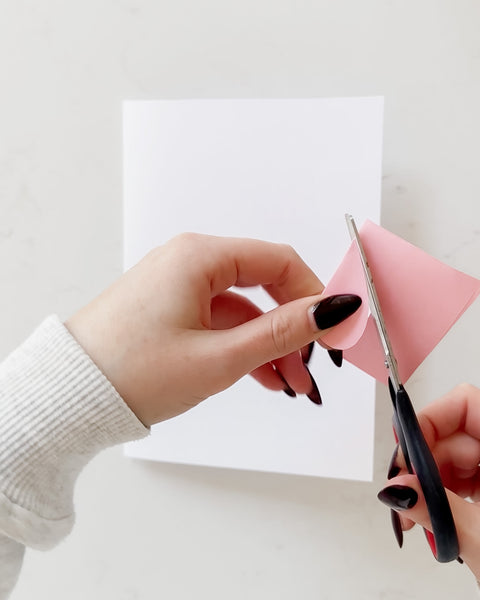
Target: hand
<point x="451" y="426"/>
<point x="169" y="333"/>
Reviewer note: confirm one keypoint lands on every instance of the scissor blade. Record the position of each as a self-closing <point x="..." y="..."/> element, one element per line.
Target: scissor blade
<point x="375" y="308"/>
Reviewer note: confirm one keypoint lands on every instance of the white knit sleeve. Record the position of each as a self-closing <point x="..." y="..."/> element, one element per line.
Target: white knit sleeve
<point x="57" y="410"/>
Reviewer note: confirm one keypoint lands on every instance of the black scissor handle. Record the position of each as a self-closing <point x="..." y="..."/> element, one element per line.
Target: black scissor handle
<point x="444" y="543"/>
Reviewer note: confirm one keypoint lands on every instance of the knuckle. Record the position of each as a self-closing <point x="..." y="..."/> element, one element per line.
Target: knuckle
<point x="186" y="246"/>
<point x="466" y="390"/>
<point x="288" y="249"/>
<point x="291" y="254"/>
<point x="290" y="260"/>
<point x="281" y="333"/>
<point x="187" y="239"/>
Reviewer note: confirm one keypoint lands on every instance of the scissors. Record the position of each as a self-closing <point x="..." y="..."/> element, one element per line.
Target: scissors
<point x="419" y="460"/>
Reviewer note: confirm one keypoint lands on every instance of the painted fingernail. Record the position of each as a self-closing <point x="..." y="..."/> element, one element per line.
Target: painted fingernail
<point x="393" y="468"/>
<point x="314" y="394"/>
<point x="336" y="356"/>
<point x="287" y="389"/>
<point x="307" y="353"/>
<point x="398" y="497"/>
<point x="397" y="527"/>
<point x="334" y="309"/>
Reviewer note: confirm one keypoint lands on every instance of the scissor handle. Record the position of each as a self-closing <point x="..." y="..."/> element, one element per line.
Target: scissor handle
<point x="444" y="541"/>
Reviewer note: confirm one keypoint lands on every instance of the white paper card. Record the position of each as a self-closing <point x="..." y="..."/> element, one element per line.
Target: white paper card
<point x="282" y="170"/>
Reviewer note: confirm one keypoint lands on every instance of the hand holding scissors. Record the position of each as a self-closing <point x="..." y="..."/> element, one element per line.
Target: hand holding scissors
<point x="451" y="426"/>
<point x="418" y="457"/>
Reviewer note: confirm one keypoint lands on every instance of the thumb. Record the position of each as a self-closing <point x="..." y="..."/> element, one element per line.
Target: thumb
<point x="284" y="329"/>
<point x="404" y="494"/>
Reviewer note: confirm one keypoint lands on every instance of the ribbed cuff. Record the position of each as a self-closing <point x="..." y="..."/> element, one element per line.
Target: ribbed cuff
<point x="57" y="410"/>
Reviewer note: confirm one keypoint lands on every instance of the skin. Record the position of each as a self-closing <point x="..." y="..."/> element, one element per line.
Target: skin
<point x="170" y="332"/>
<point x="451" y="426"/>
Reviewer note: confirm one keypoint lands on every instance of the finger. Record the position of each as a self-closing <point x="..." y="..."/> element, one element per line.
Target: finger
<point x="457" y="458"/>
<point x="270" y="378"/>
<point x="459" y="410"/>
<point x="404" y="494"/>
<point x="245" y="262"/>
<point x="230" y="309"/>
<point x="292" y="369"/>
<point x="288" y="373"/>
<point x="307" y="352"/>
<point x="406" y="523"/>
<point x="282" y="331"/>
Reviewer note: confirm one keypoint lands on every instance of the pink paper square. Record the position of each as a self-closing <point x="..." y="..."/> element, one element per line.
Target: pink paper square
<point x="421" y="299"/>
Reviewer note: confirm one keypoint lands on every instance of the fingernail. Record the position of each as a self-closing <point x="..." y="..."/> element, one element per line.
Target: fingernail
<point x="307" y="353"/>
<point x="398" y="497"/>
<point x="287" y="389"/>
<point x="314" y="394"/>
<point x="335" y="309"/>
<point x="393" y="468"/>
<point x="397" y="527"/>
<point x="336" y="356"/>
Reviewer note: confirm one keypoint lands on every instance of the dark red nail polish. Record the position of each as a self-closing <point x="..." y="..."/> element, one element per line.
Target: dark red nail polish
<point x="314" y="394"/>
<point x="334" y="309"/>
<point x="397" y="527"/>
<point x="398" y="497"/>
<point x="307" y="353"/>
<point x="336" y="356"/>
<point x="287" y="389"/>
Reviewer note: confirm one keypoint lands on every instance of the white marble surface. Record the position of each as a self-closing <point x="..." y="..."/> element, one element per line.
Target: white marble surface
<point x="147" y="531"/>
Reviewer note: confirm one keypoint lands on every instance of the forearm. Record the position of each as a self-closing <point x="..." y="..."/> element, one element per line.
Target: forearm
<point x="57" y="410"/>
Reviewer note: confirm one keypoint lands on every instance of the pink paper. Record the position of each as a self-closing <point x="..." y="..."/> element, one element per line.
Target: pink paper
<point x="421" y="299"/>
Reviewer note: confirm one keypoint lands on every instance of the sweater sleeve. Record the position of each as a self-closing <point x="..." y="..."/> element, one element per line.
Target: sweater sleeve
<point x="57" y="410"/>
